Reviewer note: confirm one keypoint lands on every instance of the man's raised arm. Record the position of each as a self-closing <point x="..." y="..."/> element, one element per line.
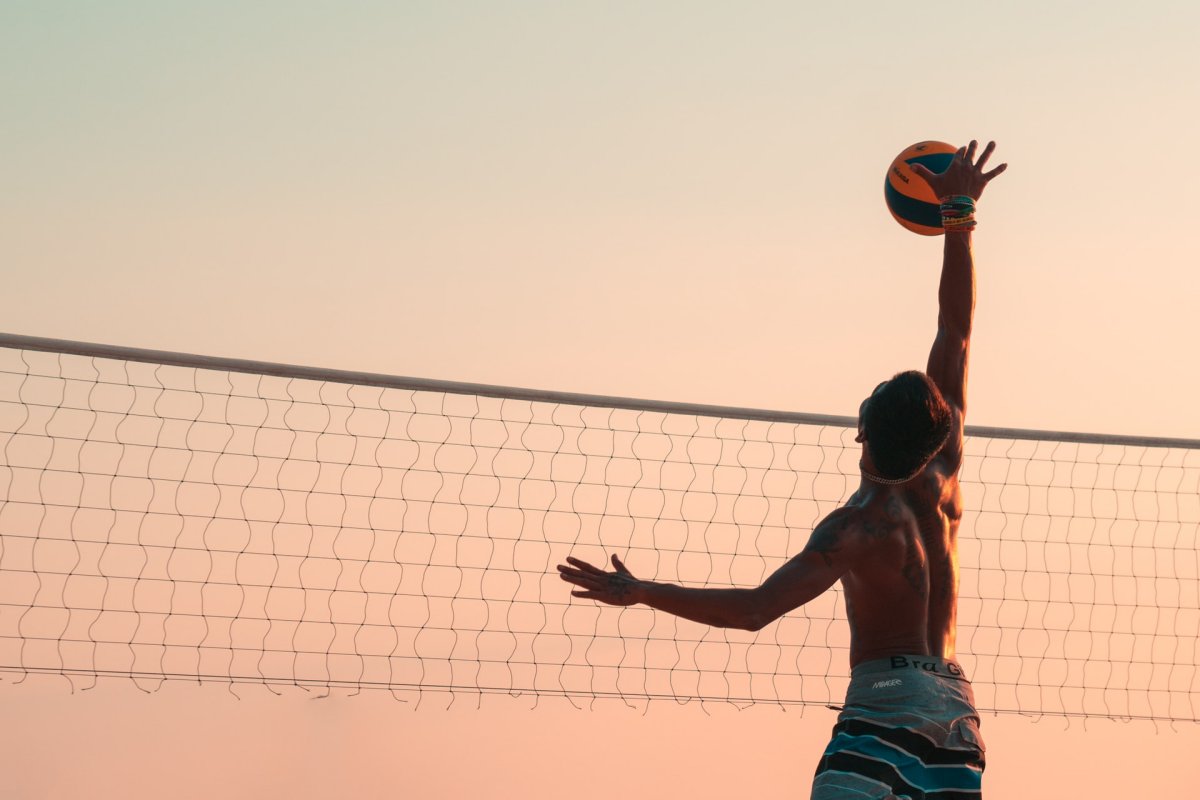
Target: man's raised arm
<point x="831" y="550"/>
<point x="958" y="188"/>
<point x="951" y="349"/>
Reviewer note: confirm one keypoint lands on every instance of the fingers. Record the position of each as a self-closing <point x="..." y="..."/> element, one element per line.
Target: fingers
<point x="585" y="566"/>
<point x="987" y="176"/>
<point x="596" y="584"/>
<point x="987" y="152"/>
<point x="578" y="578"/>
<point x="921" y="171"/>
<point x="970" y="154"/>
<point x="565" y="570"/>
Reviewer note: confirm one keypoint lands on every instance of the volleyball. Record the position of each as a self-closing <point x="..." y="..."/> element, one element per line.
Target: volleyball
<point x="912" y="203"/>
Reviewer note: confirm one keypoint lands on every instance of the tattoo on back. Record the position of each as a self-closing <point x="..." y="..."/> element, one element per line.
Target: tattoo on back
<point x="913" y="571"/>
<point x="894" y="512"/>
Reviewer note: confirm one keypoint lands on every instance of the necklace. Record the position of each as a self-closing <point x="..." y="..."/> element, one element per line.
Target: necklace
<point x="897" y="481"/>
<point x="889" y="481"/>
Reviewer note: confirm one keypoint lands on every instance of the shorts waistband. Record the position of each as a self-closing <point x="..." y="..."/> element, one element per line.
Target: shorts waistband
<point x="899" y="664"/>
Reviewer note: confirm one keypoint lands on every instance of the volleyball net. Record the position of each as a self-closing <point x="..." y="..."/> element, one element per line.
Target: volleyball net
<point x="174" y="517"/>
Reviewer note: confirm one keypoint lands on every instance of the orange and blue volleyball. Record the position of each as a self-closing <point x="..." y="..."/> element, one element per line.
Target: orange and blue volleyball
<point x="912" y="203"/>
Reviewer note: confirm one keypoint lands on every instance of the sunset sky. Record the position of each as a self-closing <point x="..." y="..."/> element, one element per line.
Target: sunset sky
<point x="678" y="201"/>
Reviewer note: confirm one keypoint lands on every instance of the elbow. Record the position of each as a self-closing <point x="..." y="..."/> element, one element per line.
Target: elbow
<point x="756" y="621"/>
<point x="954" y="328"/>
<point x="760" y="610"/>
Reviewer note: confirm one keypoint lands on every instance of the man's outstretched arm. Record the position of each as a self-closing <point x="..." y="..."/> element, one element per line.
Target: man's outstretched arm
<point x="828" y="555"/>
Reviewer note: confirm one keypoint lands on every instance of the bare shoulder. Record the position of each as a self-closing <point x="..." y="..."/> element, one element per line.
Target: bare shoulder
<point x="838" y="535"/>
<point x="949" y="458"/>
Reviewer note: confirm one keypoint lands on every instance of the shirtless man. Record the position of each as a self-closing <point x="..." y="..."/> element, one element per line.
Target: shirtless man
<point x="909" y="725"/>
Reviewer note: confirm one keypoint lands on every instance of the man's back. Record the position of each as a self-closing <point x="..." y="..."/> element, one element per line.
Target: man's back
<point x="902" y="593"/>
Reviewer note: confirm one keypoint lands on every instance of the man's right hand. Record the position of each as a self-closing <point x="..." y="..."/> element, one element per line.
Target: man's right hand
<point x="962" y="176"/>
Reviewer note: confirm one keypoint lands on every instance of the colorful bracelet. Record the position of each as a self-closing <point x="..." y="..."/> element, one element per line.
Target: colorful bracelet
<point x="958" y="212"/>
<point x="958" y="209"/>
<point x="962" y="220"/>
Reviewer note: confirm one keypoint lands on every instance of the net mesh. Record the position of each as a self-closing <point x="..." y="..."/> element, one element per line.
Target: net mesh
<point x="163" y="522"/>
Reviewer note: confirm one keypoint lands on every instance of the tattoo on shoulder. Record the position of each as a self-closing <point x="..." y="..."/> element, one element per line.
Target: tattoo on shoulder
<point x="826" y="539"/>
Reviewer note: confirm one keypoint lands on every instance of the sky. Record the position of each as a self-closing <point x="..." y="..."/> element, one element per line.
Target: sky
<point x="663" y="200"/>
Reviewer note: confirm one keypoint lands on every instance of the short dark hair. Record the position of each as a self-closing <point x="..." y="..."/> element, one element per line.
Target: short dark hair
<point x="905" y="422"/>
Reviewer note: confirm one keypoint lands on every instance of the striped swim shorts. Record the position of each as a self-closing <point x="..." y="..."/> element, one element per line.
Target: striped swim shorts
<point x="909" y="729"/>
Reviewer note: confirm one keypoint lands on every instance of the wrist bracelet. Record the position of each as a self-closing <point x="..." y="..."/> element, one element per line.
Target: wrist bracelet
<point x="958" y="212"/>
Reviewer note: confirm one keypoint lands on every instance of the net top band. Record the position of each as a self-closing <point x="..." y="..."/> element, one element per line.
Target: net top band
<point x="169" y="358"/>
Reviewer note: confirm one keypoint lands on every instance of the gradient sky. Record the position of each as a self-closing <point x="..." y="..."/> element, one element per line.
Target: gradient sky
<point x="672" y="200"/>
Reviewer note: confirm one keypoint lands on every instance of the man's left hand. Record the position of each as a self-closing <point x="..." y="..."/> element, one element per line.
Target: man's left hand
<point x="617" y="588"/>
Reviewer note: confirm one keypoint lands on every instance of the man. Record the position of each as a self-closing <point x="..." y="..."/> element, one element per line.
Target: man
<point x="909" y="727"/>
